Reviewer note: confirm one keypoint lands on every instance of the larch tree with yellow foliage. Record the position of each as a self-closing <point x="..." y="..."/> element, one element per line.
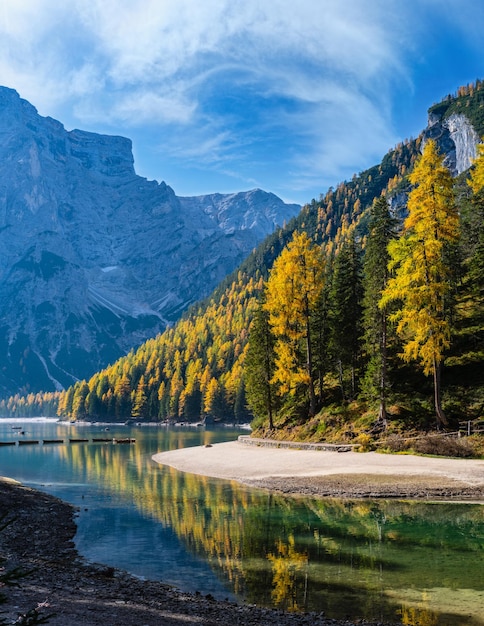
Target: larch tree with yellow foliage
<point x="292" y="290"/>
<point x="476" y="181"/>
<point x="421" y="281"/>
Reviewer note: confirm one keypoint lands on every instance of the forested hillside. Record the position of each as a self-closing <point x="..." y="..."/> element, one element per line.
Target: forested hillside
<point x="300" y="337"/>
<point x="195" y="368"/>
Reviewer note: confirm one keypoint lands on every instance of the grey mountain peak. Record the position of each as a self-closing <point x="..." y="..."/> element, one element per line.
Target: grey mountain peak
<point x="95" y="259"/>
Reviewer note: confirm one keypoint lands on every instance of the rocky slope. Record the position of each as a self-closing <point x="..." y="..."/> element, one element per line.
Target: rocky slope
<point x="456" y="138"/>
<point x="94" y="258"/>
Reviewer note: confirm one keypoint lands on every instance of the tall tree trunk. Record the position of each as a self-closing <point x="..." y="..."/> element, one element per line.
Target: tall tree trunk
<point x="353" y="381"/>
<point x="309" y="367"/>
<point x="341" y="384"/>
<point x="382" y="413"/>
<point x="269" y="406"/>
<point x="441" y="418"/>
<point x="267" y="355"/>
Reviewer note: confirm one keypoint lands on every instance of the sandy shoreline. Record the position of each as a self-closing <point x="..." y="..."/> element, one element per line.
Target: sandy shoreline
<point x="328" y="473"/>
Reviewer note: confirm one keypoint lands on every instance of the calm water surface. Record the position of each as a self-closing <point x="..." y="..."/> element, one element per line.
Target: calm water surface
<point x="421" y="563"/>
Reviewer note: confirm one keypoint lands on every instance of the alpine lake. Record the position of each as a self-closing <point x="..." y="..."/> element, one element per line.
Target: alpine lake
<point x="420" y="563"/>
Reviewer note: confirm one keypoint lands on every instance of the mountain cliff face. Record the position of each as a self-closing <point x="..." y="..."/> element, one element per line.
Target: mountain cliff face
<point x="456" y="138"/>
<point x="94" y="259"/>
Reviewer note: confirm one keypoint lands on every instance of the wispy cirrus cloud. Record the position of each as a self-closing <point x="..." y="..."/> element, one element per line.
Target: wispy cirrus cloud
<point x="301" y="90"/>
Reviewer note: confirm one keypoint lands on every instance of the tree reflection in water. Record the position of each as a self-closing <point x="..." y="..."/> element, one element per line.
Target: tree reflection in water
<point x="419" y="562"/>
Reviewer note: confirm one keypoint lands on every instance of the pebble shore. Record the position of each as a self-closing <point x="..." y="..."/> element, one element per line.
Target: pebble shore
<point x="38" y="540"/>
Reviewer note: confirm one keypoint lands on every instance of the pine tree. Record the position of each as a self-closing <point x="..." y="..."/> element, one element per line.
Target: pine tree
<point x="294" y="285"/>
<point x="259" y="367"/>
<point x="241" y="413"/>
<point x="93" y="404"/>
<point x="421" y="283"/>
<point x="320" y="327"/>
<point x="381" y="230"/>
<point x="346" y="311"/>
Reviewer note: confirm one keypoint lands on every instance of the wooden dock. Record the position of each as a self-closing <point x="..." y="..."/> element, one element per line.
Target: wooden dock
<point x="32" y="442"/>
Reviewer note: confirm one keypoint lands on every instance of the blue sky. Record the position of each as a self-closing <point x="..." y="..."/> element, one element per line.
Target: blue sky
<point x="228" y="95"/>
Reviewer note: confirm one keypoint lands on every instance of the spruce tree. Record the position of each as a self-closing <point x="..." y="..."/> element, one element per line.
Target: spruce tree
<point x="346" y="313"/>
<point x="259" y="368"/>
<point x="381" y="230"/>
<point x="320" y="326"/>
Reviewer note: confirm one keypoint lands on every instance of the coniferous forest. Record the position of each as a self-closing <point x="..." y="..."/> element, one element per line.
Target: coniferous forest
<point x="363" y="316"/>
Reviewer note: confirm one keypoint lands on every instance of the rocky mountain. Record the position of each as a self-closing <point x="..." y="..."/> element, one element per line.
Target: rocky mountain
<point x="95" y="259"/>
<point x="456" y="138"/>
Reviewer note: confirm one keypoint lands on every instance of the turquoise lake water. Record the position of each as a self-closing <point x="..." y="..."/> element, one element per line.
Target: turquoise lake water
<point x="422" y="563"/>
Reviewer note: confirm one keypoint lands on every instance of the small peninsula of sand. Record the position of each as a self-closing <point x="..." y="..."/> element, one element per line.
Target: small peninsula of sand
<point x="332" y="473"/>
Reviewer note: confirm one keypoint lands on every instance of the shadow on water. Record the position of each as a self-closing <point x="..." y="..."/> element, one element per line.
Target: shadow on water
<point x="417" y="562"/>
